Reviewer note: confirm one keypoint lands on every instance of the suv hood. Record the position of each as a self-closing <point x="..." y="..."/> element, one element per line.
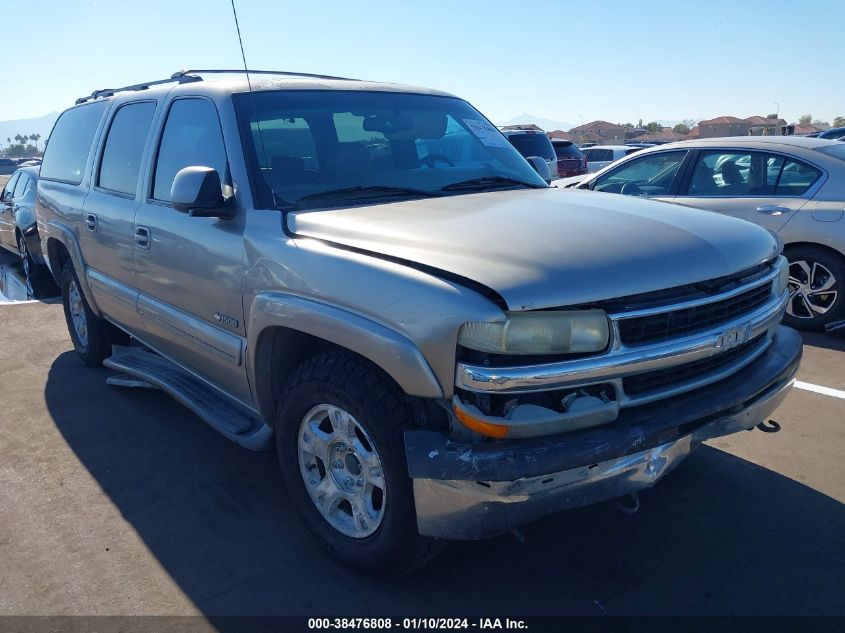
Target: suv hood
<point x="540" y="248"/>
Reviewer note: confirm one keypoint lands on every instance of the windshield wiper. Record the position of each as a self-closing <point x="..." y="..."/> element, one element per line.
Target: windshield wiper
<point x="370" y="191"/>
<point x="488" y="181"/>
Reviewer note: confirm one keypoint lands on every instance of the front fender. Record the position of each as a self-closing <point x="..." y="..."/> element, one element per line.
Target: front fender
<point x="391" y="351"/>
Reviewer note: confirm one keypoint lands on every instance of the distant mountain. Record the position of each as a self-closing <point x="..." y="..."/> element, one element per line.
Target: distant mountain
<point x="41" y="125"/>
<point x="549" y="125"/>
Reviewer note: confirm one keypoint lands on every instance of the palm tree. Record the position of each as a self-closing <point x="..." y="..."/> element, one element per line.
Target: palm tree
<point x="36" y="138"/>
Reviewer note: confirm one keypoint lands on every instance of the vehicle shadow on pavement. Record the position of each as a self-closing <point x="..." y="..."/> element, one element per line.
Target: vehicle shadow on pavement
<point x="719" y="536"/>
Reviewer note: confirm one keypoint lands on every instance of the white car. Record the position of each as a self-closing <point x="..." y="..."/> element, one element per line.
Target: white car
<point x="601" y="156"/>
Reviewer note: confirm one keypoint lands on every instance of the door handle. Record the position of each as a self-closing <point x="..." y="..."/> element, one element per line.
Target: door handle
<point x="91" y="222"/>
<point x="773" y="209"/>
<point x="142" y="237"/>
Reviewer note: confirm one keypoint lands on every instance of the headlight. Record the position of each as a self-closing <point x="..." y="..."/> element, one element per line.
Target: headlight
<point x="783" y="277"/>
<point x="539" y="333"/>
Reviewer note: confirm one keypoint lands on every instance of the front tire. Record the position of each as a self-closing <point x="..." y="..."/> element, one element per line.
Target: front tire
<point x="340" y="445"/>
<point x="92" y="336"/>
<point x="816" y="288"/>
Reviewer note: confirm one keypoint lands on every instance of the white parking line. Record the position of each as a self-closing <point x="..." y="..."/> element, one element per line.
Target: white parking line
<point x="808" y="386"/>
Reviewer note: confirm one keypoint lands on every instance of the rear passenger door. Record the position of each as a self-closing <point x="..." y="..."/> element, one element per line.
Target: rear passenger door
<point x="766" y="188"/>
<point x="109" y="213"/>
<point x="190" y="269"/>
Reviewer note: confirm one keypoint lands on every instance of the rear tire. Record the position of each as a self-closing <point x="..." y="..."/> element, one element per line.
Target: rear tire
<point x="817" y="288"/>
<point x="92" y="336"/>
<point x="316" y="466"/>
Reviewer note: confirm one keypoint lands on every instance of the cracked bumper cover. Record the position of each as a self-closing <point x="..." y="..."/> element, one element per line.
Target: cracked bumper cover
<point x="474" y="491"/>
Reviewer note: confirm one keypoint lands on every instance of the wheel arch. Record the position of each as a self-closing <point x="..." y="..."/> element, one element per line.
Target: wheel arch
<point x="788" y="246"/>
<point x="62" y="249"/>
<point x="286" y="330"/>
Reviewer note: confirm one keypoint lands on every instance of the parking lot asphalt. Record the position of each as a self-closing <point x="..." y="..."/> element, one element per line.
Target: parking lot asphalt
<point x="120" y="501"/>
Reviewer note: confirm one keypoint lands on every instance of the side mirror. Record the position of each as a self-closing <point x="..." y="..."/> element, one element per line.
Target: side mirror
<point x="198" y="192"/>
<point x="541" y="167"/>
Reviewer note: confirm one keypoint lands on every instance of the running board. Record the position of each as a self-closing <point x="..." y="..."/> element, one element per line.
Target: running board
<point x="225" y="416"/>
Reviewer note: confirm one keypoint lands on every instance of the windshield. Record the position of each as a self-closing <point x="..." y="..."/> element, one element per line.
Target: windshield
<point x="533" y="145"/>
<point x="313" y="147"/>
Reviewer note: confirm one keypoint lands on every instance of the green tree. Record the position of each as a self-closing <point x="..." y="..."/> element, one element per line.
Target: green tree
<point x="774" y="115"/>
<point x="681" y="129"/>
<point x="653" y="127"/>
<point x="839" y="121"/>
<point x="805" y="120"/>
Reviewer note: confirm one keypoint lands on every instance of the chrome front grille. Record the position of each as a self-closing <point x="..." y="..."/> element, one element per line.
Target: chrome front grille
<point x="660" y="379"/>
<point x="663" y="325"/>
<point x="658" y="351"/>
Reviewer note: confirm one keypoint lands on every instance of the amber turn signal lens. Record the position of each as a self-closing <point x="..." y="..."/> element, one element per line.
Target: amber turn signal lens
<point x="479" y="426"/>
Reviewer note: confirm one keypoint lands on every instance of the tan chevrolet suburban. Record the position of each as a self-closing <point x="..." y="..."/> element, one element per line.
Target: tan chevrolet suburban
<point x="370" y="278"/>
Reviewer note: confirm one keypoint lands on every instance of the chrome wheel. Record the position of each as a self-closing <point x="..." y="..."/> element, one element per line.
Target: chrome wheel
<point x="342" y="470"/>
<point x="812" y="289"/>
<point x="77" y="313"/>
<point x="22" y="251"/>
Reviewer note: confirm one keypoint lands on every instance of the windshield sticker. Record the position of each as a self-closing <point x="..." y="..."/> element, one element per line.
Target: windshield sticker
<point x="486" y="133"/>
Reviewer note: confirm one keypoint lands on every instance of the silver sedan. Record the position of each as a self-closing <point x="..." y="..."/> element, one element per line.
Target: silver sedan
<point x="794" y="186"/>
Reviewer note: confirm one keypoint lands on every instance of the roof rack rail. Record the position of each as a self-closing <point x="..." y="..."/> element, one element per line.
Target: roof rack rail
<point x="256" y="72"/>
<point x="182" y="77"/>
<point x="190" y="75"/>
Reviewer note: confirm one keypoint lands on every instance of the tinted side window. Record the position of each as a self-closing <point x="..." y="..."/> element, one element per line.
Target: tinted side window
<point x="70" y="142"/>
<point x="191" y="137"/>
<point x="20" y="187"/>
<point x="121" y="162"/>
<point x="795" y="178"/>
<point x="650" y="175"/>
<point x="10" y="186"/>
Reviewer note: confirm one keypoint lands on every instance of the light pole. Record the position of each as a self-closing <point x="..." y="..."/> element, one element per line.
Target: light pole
<point x="777" y="112"/>
<point x="582" y="119"/>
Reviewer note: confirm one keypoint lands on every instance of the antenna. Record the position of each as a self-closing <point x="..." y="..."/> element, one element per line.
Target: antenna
<point x="252" y="99"/>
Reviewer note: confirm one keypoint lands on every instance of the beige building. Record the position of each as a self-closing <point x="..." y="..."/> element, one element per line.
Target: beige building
<point x="733" y="126"/>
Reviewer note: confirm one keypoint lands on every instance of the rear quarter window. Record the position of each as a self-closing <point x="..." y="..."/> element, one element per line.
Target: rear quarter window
<point x="70" y="143"/>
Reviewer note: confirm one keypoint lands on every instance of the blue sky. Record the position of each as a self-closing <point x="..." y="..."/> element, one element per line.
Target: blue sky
<point x="616" y="60"/>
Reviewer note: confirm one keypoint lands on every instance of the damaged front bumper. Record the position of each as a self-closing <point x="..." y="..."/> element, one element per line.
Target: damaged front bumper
<point x="475" y="491"/>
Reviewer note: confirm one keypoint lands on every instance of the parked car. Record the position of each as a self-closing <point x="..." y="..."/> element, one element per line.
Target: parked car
<point x="836" y="133"/>
<point x="792" y="185"/>
<point x="18" y="229"/>
<point x="601" y="156"/>
<point x="534" y="143"/>
<point x="442" y="346"/>
<point x="30" y="162"/>
<point x="7" y="166"/>
<point x="570" y="160"/>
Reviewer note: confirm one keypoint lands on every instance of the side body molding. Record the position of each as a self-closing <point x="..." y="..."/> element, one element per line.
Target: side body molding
<point x="68" y="239"/>
<point x="393" y="352"/>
